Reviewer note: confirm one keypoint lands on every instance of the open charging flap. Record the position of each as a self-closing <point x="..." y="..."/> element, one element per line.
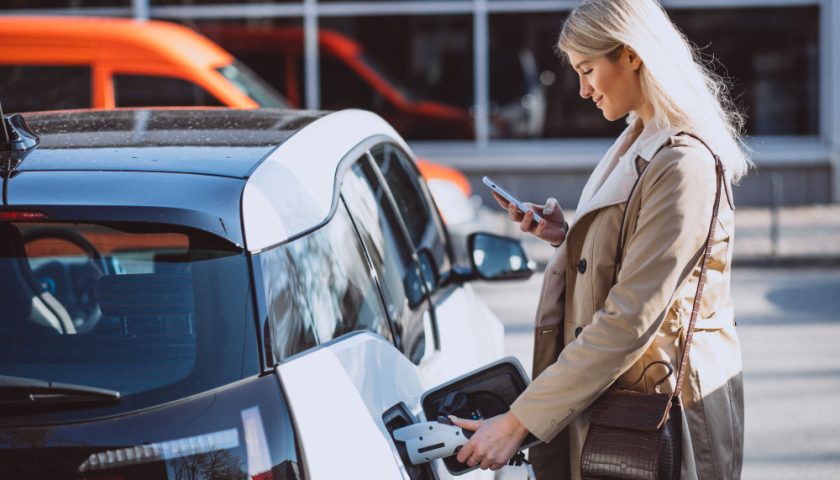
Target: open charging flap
<point x="482" y="393"/>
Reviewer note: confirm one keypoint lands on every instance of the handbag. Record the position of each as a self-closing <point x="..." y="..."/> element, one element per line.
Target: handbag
<point x="635" y="435"/>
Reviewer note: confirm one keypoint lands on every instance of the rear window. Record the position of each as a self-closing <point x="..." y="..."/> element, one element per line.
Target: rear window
<point x="149" y="311"/>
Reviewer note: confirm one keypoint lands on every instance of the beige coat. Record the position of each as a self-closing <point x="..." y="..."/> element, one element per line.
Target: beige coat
<point x="611" y="332"/>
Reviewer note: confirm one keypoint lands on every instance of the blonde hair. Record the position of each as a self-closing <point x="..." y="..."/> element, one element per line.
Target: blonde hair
<point x="683" y="91"/>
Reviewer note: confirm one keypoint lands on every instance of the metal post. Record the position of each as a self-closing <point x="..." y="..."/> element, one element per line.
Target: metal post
<point x="312" y="74"/>
<point x="140" y="10"/>
<point x="776" y="184"/>
<point x="481" y="72"/>
<point x="830" y="45"/>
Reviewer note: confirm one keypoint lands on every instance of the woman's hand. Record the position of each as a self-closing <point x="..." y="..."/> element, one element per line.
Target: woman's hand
<point x="494" y="442"/>
<point x="552" y="228"/>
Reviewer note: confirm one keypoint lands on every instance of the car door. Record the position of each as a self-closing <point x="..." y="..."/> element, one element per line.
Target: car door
<point x="467" y="333"/>
<point x="347" y="385"/>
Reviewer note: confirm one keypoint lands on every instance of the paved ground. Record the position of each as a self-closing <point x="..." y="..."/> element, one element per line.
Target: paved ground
<point x="789" y="325"/>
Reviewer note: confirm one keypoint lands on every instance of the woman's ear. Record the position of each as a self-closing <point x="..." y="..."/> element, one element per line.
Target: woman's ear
<point x="632" y="57"/>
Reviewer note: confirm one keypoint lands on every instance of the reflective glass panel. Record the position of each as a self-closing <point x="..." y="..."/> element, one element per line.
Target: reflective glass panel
<point x="770" y="54"/>
<point x="415" y="71"/>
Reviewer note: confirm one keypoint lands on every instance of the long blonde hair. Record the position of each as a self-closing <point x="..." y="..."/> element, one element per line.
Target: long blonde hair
<point x="683" y="91"/>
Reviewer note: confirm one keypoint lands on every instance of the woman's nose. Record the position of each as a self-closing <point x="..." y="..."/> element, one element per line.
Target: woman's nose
<point x="585" y="88"/>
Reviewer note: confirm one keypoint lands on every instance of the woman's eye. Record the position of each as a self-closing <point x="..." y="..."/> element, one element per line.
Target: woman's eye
<point x="587" y="72"/>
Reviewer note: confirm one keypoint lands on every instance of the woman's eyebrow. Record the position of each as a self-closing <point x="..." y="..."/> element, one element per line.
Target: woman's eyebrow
<point x="581" y="63"/>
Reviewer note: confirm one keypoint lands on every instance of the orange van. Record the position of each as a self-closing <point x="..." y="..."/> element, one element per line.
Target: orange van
<point x="49" y="63"/>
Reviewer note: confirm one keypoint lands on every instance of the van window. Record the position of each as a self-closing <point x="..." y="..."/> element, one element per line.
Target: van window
<point x="29" y="88"/>
<point x="154" y="91"/>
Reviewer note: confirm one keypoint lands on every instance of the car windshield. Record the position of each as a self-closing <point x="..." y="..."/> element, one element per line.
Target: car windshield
<point x="149" y="311"/>
<point x="252" y="85"/>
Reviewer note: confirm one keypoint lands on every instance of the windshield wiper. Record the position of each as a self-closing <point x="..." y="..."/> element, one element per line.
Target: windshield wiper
<point x="31" y="391"/>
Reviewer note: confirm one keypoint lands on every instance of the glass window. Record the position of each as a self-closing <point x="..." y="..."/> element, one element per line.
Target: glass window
<point x="147" y="310"/>
<point x="771" y="55"/>
<point x="392" y="257"/>
<point x="216" y="2"/>
<point x="413" y="201"/>
<point x="249" y="83"/>
<point x="415" y="71"/>
<point x="271" y="48"/>
<point x="71" y="4"/>
<point x="151" y="91"/>
<point x="533" y="94"/>
<point x="319" y="287"/>
<point x="342" y="88"/>
<point x="27" y="88"/>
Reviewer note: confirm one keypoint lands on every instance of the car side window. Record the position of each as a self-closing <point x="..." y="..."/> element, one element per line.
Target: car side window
<point x="319" y="287"/>
<point x="154" y="91"/>
<point x="28" y="88"/>
<point x="414" y="202"/>
<point x="391" y="255"/>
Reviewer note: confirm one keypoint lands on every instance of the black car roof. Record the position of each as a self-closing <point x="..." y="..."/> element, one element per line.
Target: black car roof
<point x="220" y="142"/>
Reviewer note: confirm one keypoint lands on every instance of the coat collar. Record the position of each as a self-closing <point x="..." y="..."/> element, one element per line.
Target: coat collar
<point x="614" y="176"/>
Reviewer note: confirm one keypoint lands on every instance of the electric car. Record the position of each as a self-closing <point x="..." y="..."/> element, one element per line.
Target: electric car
<point x="213" y="293"/>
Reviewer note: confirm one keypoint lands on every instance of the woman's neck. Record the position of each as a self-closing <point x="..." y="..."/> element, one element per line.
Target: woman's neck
<point x="645" y="113"/>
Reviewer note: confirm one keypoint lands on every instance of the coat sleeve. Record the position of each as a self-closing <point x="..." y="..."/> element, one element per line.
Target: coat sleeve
<point x="678" y="194"/>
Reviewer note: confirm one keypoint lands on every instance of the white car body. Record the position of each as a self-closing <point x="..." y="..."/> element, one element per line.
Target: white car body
<point x="338" y="393"/>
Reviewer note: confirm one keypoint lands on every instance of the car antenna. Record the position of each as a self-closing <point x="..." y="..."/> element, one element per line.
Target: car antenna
<point x="17" y="142"/>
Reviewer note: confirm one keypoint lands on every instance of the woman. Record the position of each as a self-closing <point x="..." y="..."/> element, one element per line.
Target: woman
<point x="632" y="62"/>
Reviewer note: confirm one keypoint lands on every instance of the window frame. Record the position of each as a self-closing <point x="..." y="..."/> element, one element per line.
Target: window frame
<point x="402" y="230"/>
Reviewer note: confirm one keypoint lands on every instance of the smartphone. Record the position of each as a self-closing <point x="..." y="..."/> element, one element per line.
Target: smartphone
<point x="510" y="198"/>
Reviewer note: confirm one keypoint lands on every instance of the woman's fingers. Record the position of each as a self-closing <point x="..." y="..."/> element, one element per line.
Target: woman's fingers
<point x="471" y="425"/>
<point x="527" y="222"/>
<point x="514" y="213"/>
<point x="500" y="200"/>
<point x="552" y="211"/>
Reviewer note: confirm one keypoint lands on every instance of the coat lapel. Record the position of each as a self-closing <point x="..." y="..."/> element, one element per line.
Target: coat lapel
<point x="614" y="176"/>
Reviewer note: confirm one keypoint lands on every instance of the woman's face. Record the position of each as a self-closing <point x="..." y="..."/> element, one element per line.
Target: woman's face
<point x="613" y="85"/>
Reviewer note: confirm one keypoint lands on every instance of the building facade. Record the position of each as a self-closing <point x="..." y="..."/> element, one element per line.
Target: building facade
<point x="476" y="84"/>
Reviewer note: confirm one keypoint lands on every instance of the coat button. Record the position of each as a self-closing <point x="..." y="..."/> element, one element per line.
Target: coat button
<point x="577" y="331"/>
<point x="582" y="265"/>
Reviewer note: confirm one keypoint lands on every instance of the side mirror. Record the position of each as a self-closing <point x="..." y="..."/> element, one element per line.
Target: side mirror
<point x="495" y="257"/>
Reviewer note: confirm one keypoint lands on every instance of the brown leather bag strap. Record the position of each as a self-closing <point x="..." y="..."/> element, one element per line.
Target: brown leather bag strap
<point x="704" y="262"/>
